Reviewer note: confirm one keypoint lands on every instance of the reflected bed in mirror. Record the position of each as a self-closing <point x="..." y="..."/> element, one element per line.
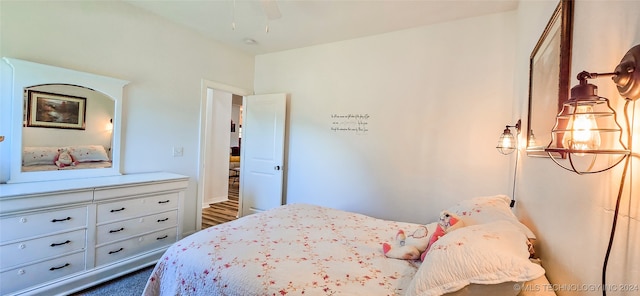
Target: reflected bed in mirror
<point x="65" y="124"/>
<point x="63" y="118"/>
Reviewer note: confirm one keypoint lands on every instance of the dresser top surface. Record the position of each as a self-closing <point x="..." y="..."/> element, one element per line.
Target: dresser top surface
<point x="29" y="188"/>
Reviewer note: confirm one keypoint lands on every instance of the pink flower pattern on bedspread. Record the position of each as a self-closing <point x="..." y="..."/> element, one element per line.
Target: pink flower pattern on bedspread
<point x="292" y="250"/>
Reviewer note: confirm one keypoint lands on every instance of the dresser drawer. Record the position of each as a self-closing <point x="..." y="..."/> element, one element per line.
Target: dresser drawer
<point x="43" y="200"/>
<point x="123" y="229"/>
<point x="30" y="275"/>
<point x="134" y="246"/>
<point x="41" y="248"/>
<point x="141" y="189"/>
<point x="142" y="206"/>
<point x="42" y="223"/>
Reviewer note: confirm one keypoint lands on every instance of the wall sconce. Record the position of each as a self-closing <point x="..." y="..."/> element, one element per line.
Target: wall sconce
<point x="587" y="127"/>
<point x="109" y="126"/>
<point x="506" y="145"/>
<point x="507" y="142"/>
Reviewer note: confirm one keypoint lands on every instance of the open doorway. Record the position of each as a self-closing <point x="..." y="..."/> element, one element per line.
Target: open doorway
<point x="220" y="142"/>
<point x="222" y="205"/>
<point x="236" y="140"/>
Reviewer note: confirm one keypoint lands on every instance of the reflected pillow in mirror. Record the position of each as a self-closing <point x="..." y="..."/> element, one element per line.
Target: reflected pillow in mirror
<point x="87" y="153"/>
<point x="38" y="155"/>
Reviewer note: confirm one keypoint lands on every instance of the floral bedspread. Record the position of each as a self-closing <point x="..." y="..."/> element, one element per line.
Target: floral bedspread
<point x="292" y="250"/>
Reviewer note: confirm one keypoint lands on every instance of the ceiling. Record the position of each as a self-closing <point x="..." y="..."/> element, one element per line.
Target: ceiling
<point x="303" y="23"/>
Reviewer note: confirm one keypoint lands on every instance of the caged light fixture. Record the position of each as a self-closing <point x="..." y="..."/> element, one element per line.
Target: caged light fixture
<point x="588" y="134"/>
<point x="587" y="129"/>
<point x="507" y="142"/>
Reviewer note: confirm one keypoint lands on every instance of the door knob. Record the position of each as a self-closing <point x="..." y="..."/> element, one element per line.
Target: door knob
<point x="277" y="168"/>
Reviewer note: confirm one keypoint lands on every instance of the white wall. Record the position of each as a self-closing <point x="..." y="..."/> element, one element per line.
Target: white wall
<point x="164" y="63"/>
<point x="572" y="214"/>
<point x="438" y="98"/>
<point x="218" y="157"/>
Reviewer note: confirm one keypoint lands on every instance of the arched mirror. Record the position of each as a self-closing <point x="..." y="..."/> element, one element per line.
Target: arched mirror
<point x="65" y="123"/>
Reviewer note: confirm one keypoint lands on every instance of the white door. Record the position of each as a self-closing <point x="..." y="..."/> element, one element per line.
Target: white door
<point x="262" y="165"/>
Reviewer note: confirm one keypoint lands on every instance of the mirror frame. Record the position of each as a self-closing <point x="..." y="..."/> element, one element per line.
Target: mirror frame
<point x="26" y="74"/>
<point x="562" y="16"/>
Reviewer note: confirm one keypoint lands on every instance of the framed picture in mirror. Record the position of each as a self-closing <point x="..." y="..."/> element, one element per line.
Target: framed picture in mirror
<point x="549" y="81"/>
<point x="55" y="110"/>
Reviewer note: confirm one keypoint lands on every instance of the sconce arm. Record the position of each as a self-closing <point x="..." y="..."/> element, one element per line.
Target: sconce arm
<point x="517" y="126"/>
<point x="584" y="75"/>
<point x="626" y="75"/>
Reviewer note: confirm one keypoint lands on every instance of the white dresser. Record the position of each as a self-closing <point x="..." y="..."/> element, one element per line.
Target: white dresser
<point x="63" y="236"/>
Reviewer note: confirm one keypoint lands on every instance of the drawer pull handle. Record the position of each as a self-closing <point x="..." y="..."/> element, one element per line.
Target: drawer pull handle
<point x="60" y="220"/>
<point x="162" y="220"/>
<point x="60" y="244"/>
<point x="117" y="230"/>
<point x="164" y="201"/>
<point x="59" y="267"/>
<point x="118" y="210"/>
<point x="113" y="252"/>
<point x="163" y="237"/>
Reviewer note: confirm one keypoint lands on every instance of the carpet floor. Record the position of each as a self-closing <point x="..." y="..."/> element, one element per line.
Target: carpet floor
<point x="128" y="285"/>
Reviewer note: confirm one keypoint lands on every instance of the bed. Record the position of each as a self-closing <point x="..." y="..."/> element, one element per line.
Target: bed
<point x="302" y="249"/>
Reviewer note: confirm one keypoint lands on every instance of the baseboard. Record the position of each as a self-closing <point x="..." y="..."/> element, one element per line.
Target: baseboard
<point x="205" y="204"/>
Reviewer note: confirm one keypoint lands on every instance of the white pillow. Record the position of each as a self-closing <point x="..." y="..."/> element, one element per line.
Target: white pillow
<point x="38" y="155"/>
<point x="486" y="209"/>
<point x="490" y="253"/>
<point x="88" y="153"/>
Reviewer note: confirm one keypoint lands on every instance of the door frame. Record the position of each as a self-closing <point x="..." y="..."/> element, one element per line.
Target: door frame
<point x="205" y="85"/>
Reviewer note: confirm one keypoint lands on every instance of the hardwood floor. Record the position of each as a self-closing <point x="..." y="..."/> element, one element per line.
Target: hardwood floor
<point x="222" y="212"/>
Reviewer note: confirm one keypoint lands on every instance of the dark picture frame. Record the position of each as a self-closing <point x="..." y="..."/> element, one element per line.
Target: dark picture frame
<point x="549" y="78"/>
<point x="53" y="110"/>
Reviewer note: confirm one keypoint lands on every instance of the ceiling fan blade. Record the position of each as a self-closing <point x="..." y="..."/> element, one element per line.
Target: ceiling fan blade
<point x="271" y="9"/>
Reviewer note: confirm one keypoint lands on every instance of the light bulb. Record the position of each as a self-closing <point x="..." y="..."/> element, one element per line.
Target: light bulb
<point x="582" y="131"/>
<point x="506" y="143"/>
<point x="532" y="140"/>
